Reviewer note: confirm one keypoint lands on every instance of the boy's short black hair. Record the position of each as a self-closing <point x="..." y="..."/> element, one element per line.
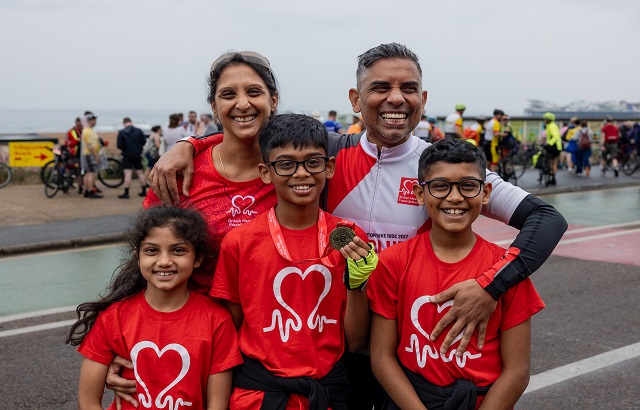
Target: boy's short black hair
<point x="298" y="130"/>
<point x="453" y="151"/>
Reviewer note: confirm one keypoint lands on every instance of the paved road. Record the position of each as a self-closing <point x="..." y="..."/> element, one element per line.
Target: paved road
<point x="590" y="328"/>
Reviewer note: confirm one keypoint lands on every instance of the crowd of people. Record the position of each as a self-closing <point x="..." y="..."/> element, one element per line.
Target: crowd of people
<point x="318" y="245"/>
<point x="139" y="152"/>
<point x="569" y="147"/>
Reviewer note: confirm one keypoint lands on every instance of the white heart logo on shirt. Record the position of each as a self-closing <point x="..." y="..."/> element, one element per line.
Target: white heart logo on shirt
<point x="314" y="320"/>
<point x="415" y="308"/>
<point x="145" y="399"/>
<point x="241" y="205"/>
<point x="429" y="349"/>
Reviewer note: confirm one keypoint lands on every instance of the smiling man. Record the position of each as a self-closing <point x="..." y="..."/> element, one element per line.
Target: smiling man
<point x="373" y="186"/>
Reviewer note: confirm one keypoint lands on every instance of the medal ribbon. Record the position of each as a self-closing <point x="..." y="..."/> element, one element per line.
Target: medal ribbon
<point x="324" y="249"/>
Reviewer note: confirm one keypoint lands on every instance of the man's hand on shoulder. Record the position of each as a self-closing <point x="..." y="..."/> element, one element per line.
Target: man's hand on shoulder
<point x="472" y="307"/>
<point x="123" y="388"/>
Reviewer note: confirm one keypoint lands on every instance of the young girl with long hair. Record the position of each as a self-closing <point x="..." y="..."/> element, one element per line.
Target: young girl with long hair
<point x="182" y="344"/>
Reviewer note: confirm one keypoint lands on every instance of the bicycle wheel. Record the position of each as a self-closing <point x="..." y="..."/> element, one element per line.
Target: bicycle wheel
<point x="518" y="169"/>
<point x="44" y="171"/>
<point x="5" y="175"/>
<point x="631" y="164"/>
<point x="52" y="185"/>
<point x="112" y="176"/>
<point x="510" y="172"/>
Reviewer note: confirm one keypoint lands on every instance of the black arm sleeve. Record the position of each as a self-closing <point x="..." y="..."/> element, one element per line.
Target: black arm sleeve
<point x="541" y="228"/>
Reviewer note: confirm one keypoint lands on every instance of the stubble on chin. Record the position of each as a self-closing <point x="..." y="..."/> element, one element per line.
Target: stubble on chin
<point x="392" y="139"/>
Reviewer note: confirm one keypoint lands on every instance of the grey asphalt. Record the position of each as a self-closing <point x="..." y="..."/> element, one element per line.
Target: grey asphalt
<point x="110" y="216"/>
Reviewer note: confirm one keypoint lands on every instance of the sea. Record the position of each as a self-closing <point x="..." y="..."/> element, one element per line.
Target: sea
<point x="42" y="121"/>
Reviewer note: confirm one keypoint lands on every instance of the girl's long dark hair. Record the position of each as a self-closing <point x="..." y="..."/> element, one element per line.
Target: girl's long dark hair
<point x="127" y="279"/>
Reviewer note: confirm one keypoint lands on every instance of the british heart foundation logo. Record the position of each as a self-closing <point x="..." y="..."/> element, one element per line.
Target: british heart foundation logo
<point x="429" y="349"/>
<point x="145" y="377"/>
<point x="405" y="192"/>
<point x="241" y="205"/>
<point x="292" y="320"/>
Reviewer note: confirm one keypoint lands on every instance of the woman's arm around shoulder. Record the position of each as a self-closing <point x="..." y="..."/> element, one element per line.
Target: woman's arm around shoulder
<point x="178" y="161"/>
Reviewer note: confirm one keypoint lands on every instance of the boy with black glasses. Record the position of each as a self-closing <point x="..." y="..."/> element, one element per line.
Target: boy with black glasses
<point x="298" y="303"/>
<point x="414" y="371"/>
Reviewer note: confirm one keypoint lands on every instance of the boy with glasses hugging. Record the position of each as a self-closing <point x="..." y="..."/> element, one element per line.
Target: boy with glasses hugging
<point x="412" y="369"/>
<point x="297" y="302"/>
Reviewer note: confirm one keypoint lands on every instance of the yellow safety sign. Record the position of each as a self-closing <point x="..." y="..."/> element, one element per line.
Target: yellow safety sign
<point x="30" y="154"/>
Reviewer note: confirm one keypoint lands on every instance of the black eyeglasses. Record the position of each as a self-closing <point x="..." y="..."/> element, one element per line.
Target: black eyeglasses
<point x="440" y="188"/>
<point x="288" y="167"/>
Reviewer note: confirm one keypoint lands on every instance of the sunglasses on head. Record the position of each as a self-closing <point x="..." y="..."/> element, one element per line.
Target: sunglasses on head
<point x="247" y="55"/>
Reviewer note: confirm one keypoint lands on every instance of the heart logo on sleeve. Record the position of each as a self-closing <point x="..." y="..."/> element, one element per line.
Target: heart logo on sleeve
<point x="161" y="401"/>
<point x="295" y="323"/>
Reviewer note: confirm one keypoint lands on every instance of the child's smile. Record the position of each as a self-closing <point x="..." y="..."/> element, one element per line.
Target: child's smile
<point x="298" y="174"/>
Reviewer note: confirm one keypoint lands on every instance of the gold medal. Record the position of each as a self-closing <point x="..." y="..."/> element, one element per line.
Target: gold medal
<point x="341" y="236"/>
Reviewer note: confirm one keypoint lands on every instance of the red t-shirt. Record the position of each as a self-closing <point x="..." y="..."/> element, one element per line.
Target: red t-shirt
<point x="178" y="349"/>
<point x="223" y="204"/>
<point x="399" y="289"/>
<point x="610" y="133"/>
<point x="293" y="311"/>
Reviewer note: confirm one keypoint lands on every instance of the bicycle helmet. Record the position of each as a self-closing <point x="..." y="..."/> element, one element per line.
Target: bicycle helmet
<point x="431" y="120"/>
<point x="549" y="116"/>
<point x="461" y="107"/>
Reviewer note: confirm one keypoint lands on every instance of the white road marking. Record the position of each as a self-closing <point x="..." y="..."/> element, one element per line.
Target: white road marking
<point x="602" y="227"/>
<point x="59" y="251"/>
<point x="603" y="235"/>
<point x="36" y="328"/>
<point x="28" y="315"/>
<point x="582" y="367"/>
<point x="584" y="238"/>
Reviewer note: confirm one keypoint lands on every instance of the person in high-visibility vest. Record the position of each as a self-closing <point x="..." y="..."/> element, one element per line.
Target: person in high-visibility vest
<point x="73" y="138"/>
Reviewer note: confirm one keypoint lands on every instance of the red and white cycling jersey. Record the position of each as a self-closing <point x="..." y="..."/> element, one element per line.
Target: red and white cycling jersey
<point x="374" y="189"/>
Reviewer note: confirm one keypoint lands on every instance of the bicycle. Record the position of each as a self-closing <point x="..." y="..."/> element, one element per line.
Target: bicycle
<point x="521" y="158"/>
<point x="110" y="171"/>
<point x="61" y="154"/>
<point x="630" y="162"/>
<point x="608" y="163"/>
<point x="506" y="168"/>
<point x="543" y="165"/>
<point x="59" y="173"/>
<point x="6" y="175"/>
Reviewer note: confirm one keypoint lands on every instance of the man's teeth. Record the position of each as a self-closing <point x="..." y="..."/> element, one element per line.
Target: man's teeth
<point x="454" y="211"/>
<point x="165" y="273"/>
<point x="245" y="119"/>
<point x="394" y="116"/>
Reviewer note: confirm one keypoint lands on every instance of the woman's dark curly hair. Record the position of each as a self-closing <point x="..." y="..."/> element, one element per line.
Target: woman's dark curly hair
<point x="127" y="279"/>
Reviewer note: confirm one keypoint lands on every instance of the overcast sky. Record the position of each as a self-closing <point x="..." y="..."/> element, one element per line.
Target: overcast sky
<point x="155" y="54"/>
